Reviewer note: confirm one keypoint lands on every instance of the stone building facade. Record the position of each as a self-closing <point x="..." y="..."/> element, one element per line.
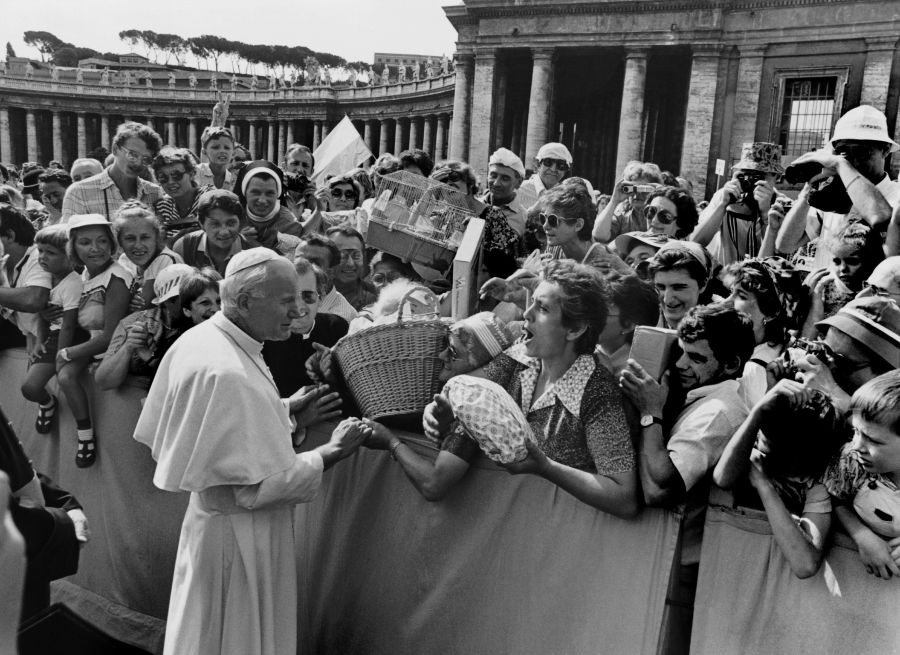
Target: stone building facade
<point x="680" y="82"/>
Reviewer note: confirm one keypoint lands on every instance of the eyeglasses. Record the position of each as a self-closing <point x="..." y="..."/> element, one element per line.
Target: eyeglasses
<point x="175" y="176"/>
<point x="552" y="220"/>
<point x="348" y="194"/>
<point x="136" y="157"/>
<point x="384" y="278"/>
<point x="663" y="215"/>
<point x="309" y="297"/>
<point x="558" y="164"/>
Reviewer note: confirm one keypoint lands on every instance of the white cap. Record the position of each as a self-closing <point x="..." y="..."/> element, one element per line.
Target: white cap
<point x="249" y="258"/>
<point x="87" y="220"/>
<point x="505" y="157"/>
<point x="554" y="151"/>
<point x="166" y="284"/>
<point x="863" y="123"/>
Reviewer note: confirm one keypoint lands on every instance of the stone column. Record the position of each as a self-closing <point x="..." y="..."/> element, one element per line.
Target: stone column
<point x="57" y="137"/>
<point x="82" y="135"/>
<point x="695" y="149"/>
<point x="290" y="133"/>
<point x="367" y="135"/>
<point x="317" y="134"/>
<point x="192" y="135"/>
<point x="459" y="143"/>
<point x="427" y="132"/>
<point x="877" y="73"/>
<point x="326" y="128"/>
<point x="398" y="137"/>
<point x="482" y="119"/>
<point x="413" y="133"/>
<point x="538" y="103"/>
<point x="104" y="131"/>
<point x="271" y="153"/>
<point x="150" y="124"/>
<point x="631" y="117"/>
<point x="500" y="77"/>
<point x="170" y="131"/>
<point x="31" y="135"/>
<point x="440" y="137"/>
<point x="382" y="136"/>
<point x="251" y="139"/>
<point x="282" y="137"/>
<point x="6" y="153"/>
<point x="746" y="100"/>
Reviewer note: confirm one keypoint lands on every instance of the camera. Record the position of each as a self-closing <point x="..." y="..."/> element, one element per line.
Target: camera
<point x="298" y="183"/>
<point x="799" y="349"/>
<point x="631" y="189"/>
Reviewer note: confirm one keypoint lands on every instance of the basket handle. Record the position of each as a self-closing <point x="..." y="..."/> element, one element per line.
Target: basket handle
<point x="406" y="297"/>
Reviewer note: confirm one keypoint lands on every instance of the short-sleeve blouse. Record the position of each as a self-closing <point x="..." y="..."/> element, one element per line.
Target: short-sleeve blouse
<point x="579" y="421"/>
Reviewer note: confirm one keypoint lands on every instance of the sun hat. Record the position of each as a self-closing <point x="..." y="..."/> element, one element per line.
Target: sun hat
<point x="165" y="286"/>
<point x="486" y="336"/>
<point x="874" y="322"/>
<point x="506" y="157"/>
<point x="760" y="156"/>
<point x="627" y="242"/>
<point x="863" y="123"/>
<point x="554" y="150"/>
<point x="77" y="221"/>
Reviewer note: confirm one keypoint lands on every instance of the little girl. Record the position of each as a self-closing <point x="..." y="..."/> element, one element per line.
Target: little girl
<point x="104" y="302"/>
<point x="54" y="333"/>
<point x="865" y="480"/>
<point x="144" y="253"/>
<point x="856" y="253"/>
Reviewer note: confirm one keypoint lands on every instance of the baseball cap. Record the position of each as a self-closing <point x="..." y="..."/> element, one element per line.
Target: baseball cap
<point x="554" y="150"/>
<point x="863" y="123"/>
<point x="873" y="321"/>
<point x="166" y="284"/>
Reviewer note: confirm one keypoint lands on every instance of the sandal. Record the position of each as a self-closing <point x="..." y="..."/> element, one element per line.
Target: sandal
<point x="86" y="454"/>
<point x="44" y="420"/>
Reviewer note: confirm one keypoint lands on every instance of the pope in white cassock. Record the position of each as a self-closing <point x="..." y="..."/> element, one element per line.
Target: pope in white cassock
<point x="218" y="429"/>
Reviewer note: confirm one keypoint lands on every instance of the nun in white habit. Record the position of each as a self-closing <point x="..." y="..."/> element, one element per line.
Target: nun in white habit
<point x="218" y="429"/>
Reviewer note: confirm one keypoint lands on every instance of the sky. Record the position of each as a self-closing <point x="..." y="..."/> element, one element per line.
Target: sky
<point x="352" y="29"/>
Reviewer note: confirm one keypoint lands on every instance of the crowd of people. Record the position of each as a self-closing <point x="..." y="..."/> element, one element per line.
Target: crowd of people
<point x="777" y="379"/>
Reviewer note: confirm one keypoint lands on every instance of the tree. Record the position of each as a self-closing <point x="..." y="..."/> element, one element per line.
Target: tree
<point x="132" y="37"/>
<point x="45" y="42"/>
<point x="9" y="50"/>
<point x="65" y="56"/>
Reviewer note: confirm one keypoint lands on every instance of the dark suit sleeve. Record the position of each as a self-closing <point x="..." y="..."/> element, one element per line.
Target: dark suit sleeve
<point x="13" y="460"/>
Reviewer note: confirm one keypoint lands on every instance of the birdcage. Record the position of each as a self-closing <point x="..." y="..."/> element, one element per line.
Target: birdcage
<point x="418" y="219"/>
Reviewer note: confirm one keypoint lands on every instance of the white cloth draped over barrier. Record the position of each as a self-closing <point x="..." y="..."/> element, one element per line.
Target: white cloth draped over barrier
<point x="748" y="601"/>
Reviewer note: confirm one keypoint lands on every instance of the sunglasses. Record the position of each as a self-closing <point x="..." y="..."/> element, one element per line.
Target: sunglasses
<point x="558" y="164"/>
<point x="175" y="176"/>
<point x="663" y="215"/>
<point x="552" y="220"/>
<point x="337" y="194"/>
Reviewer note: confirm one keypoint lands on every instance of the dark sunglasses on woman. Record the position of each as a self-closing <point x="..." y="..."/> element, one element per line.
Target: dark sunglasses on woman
<point x="558" y="164"/>
<point x="664" y="215"/>
<point x="175" y="176"/>
<point x="552" y="220"/>
<point x="337" y="194"/>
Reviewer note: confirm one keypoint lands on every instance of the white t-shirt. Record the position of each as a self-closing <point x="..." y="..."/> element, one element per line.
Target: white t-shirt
<point x="66" y="294"/>
<point x="28" y="273"/>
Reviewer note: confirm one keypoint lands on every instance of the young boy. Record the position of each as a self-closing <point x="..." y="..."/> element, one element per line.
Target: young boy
<point x="865" y="479"/>
<point x="58" y="329"/>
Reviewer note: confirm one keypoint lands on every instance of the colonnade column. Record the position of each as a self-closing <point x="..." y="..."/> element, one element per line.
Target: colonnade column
<point x="459" y="142"/>
<point x="367" y="135"/>
<point x="631" y="117"/>
<point x="317" y="134"/>
<point x="270" y="153"/>
<point x="192" y="134"/>
<point x="290" y="133"/>
<point x="104" y="131"/>
<point x="170" y="131"/>
<point x="6" y="153"/>
<point x="413" y="132"/>
<point x="326" y="128"/>
<point x="695" y="149"/>
<point x="440" y="137"/>
<point x="82" y="135"/>
<point x="538" y="103"/>
<point x="398" y="137"/>
<point x="877" y="73"/>
<point x="382" y="136"/>
<point x="282" y="137"/>
<point x="31" y="135"/>
<point x="746" y="100"/>
<point x="427" y="131"/>
<point x="482" y="117"/>
<point x="57" y="137"/>
<point x="251" y="139"/>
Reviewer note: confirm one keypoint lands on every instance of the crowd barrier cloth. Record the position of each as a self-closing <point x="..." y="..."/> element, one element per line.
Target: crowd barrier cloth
<point x="749" y="601"/>
<point x="504" y="564"/>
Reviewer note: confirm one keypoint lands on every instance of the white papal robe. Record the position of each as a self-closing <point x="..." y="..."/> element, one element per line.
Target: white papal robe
<point x="218" y="429"/>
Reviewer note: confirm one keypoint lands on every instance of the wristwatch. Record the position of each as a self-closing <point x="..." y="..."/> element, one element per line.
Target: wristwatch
<point x="648" y="419"/>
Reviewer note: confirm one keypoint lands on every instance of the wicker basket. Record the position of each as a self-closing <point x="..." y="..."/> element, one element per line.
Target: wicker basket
<point x="393" y="369"/>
